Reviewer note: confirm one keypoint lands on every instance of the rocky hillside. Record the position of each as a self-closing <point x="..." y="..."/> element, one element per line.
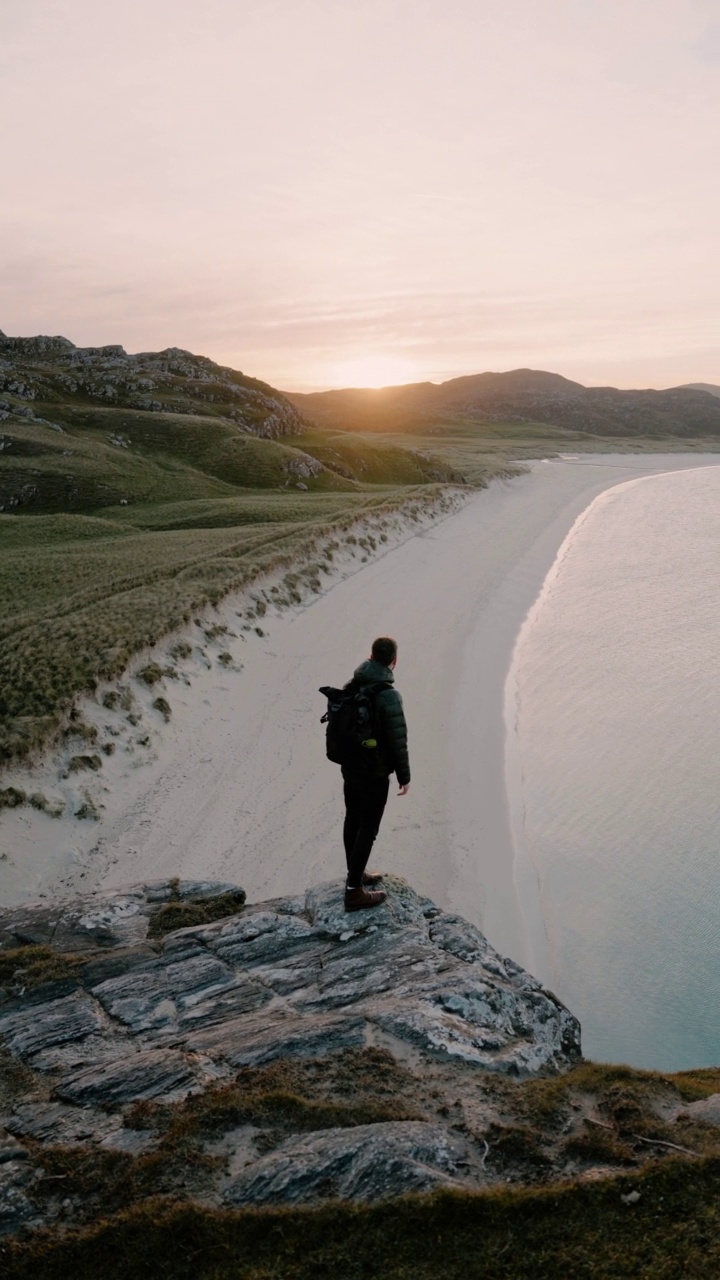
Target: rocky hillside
<point x="84" y="429"/>
<point x="41" y="371"/>
<point x="169" y="1040"/>
<point x="524" y="395"/>
<point x="117" y="1021"/>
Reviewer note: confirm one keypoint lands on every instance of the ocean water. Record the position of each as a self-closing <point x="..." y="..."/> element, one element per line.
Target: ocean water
<point x="613" y="765"/>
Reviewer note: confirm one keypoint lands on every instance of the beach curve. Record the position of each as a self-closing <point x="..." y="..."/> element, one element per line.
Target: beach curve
<point x="241" y="790"/>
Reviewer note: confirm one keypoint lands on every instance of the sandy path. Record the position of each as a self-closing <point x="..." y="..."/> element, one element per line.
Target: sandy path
<point x="241" y="789"/>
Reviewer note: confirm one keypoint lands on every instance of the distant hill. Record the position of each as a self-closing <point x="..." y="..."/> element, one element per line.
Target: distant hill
<point x="523" y="395"/>
<point x="84" y="428"/>
<point x="704" y="386"/>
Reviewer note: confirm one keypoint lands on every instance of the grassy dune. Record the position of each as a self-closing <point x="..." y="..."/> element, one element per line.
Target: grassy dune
<point x="80" y="595"/>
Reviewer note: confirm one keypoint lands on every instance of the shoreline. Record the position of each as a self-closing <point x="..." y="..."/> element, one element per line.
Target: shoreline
<point x="526" y="875"/>
<point x="484" y="791"/>
<point x="238" y="788"/>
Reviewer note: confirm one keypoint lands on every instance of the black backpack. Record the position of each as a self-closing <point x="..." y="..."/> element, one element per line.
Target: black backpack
<point x="350" y="720"/>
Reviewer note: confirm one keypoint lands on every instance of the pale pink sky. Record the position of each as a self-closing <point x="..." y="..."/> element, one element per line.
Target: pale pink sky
<point x="335" y="192"/>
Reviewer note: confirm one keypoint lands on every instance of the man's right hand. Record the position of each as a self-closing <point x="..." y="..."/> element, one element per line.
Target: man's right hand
<point x="404" y="789"/>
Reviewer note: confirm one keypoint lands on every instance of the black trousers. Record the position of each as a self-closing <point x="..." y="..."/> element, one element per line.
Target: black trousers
<point x="365" y="800"/>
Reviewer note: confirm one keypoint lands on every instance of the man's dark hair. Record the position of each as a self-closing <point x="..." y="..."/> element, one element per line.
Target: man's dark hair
<point x="384" y="650"/>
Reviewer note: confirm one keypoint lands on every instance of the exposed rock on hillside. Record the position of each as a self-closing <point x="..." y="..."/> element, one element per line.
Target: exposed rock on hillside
<point x="286" y="1053"/>
<point x="53" y="370"/>
<point x="86" y="428"/>
<point x="103" y="1010"/>
<point x="280" y="978"/>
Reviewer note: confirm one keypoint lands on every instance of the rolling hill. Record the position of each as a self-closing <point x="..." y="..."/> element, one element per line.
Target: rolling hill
<point x="524" y="395"/>
<point x="710" y="387"/>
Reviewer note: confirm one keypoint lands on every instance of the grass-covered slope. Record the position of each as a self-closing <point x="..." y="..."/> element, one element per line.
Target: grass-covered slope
<point x="378" y="461"/>
<point x="583" y="1232"/>
<point x="104" y="457"/>
<point x="571" y="1197"/>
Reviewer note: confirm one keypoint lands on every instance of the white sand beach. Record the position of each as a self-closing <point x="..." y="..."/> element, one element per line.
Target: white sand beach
<point x="236" y="787"/>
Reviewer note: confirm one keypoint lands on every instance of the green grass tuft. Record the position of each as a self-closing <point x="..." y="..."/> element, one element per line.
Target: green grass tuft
<point x="78" y="763"/>
<point x="24" y="968"/>
<point x="151" y="673"/>
<point x="181" y="915"/>
<point x="12" y="797"/>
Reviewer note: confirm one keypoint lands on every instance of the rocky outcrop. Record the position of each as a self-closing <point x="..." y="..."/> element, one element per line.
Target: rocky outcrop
<point x="293" y="976"/>
<point x="103" y="1010"/>
<point x="52" y="370"/>
<point x="367" y="1162"/>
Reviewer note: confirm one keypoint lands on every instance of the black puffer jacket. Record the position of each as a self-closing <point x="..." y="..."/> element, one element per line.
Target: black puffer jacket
<point x="389" y="716"/>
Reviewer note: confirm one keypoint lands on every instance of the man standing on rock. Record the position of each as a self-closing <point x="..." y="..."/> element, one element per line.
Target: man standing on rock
<point x="366" y="776"/>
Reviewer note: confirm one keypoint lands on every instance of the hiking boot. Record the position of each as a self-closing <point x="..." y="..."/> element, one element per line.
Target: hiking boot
<point x="358" y="899"/>
<point x="372" y="877"/>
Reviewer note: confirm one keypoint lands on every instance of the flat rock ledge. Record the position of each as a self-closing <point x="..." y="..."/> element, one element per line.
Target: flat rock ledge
<point x="137" y="1017"/>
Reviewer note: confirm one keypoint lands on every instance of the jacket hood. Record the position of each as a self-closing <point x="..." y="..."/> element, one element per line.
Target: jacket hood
<point x="373" y="672"/>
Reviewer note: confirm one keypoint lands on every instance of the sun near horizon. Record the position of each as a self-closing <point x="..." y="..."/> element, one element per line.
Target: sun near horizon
<point x="372" y="372"/>
<point x="366" y="195"/>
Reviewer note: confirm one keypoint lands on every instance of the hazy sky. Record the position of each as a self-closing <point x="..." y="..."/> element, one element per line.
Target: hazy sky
<point x="337" y="192"/>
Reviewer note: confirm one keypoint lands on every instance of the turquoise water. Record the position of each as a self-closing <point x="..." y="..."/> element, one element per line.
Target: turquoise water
<point x="613" y="708"/>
